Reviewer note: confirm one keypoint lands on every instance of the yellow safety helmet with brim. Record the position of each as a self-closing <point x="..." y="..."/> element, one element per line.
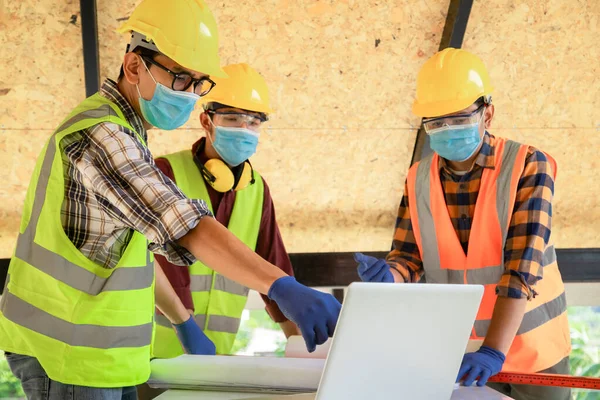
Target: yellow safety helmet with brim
<point x="450" y="81"/>
<point x="244" y="88"/>
<point x="183" y="30"/>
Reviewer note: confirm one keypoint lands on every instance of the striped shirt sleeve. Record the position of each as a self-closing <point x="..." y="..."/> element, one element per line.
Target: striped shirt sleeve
<point x="529" y="230"/>
<point x="405" y="256"/>
<point x="127" y="184"/>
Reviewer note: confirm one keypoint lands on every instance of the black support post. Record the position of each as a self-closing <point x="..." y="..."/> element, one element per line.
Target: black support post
<point x="89" y="38"/>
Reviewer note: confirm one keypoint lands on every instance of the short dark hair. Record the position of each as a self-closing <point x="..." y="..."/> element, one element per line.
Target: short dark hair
<point x="142" y="52"/>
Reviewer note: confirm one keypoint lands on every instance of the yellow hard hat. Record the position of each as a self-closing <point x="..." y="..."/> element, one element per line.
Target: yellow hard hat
<point x="183" y="30"/>
<point x="450" y="81"/>
<point x="245" y="88"/>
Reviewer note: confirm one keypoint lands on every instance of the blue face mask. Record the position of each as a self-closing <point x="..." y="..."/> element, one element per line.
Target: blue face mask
<point x="456" y="143"/>
<point x="168" y="109"/>
<point x="235" y="145"/>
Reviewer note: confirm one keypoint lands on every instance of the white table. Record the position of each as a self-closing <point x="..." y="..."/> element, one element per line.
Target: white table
<point x="462" y="393"/>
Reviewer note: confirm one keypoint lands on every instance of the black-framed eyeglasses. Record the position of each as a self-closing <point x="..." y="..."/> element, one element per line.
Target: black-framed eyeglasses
<point x="182" y="80"/>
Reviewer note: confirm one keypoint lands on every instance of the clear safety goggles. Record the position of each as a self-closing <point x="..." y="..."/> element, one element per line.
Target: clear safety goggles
<point x="433" y="125"/>
<point x="232" y="119"/>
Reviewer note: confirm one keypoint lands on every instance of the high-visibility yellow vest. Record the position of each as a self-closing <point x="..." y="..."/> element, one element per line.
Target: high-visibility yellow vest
<point x="87" y="325"/>
<point x="218" y="301"/>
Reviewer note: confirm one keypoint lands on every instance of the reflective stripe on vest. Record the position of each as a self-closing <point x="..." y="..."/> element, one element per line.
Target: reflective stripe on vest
<point x="86" y="325"/>
<point x="218" y="301"/>
<point x="203" y="283"/>
<point x="217" y="323"/>
<point x="445" y="261"/>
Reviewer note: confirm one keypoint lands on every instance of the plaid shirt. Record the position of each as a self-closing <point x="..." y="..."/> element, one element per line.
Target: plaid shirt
<point x="529" y="229"/>
<point x="113" y="188"/>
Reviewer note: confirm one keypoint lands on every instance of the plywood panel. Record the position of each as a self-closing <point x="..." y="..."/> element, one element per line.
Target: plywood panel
<point x="335" y="64"/>
<point x="543" y="59"/>
<point x="576" y="201"/>
<point x="341" y="76"/>
<point x="42" y="67"/>
<point x="329" y="64"/>
<point x="16" y="163"/>
<point x="41" y="80"/>
<point x="343" y="193"/>
<point x="544" y="65"/>
<point x="112" y="45"/>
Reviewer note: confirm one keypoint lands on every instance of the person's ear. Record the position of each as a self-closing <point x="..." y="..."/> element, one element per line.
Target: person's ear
<point x="488" y="116"/>
<point x="132" y="64"/>
<point x="206" y="122"/>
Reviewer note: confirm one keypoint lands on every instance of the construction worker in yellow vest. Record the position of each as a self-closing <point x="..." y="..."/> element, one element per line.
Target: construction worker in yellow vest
<point x="478" y="211"/>
<point x="77" y="312"/>
<point x="217" y="170"/>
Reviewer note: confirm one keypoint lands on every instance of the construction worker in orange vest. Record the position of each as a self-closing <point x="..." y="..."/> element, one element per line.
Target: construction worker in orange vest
<point x="478" y="211"/>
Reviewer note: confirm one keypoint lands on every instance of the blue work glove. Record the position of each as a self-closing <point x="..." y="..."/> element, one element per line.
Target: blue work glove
<point x="480" y="365"/>
<point x="315" y="313"/>
<point x="371" y="269"/>
<point x="193" y="340"/>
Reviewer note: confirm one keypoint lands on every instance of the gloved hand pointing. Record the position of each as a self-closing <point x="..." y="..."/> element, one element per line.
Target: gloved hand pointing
<point x="315" y="313"/>
<point x="371" y="269"/>
<point x="482" y="364"/>
<point x="193" y="340"/>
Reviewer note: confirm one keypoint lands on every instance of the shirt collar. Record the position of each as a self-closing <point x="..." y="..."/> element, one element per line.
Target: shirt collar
<point x="198" y="150"/>
<point x="110" y="90"/>
<point x="486" y="158"/>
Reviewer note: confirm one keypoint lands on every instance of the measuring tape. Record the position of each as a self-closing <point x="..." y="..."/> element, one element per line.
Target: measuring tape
<point x="516" y="378"/>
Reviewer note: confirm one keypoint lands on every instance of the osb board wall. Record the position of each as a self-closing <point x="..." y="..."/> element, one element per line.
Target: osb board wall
<point x="341" y="77"/>
<point x="41" y="79"/>
<point x="546" y="79"/>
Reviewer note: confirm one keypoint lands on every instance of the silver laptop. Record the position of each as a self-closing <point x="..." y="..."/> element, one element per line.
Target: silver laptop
<point x="398" y="341"/>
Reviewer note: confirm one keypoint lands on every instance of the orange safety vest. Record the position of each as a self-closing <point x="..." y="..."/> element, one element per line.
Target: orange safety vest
<point x="543" y="338"/>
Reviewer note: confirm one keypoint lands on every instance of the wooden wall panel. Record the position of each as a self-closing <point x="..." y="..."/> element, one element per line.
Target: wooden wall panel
<point x="41" y="80"/>
<point x="341" y="76"/>
<point x="545" y="67"/>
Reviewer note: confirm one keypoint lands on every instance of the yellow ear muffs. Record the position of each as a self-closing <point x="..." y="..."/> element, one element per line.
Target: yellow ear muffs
<point x="218" y="175"/>
<point x="223" y="179"/>
<point x="245" y="176"/>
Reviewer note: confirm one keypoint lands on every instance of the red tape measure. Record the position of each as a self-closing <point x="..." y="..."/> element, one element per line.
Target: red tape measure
<point x="516" y="378"/>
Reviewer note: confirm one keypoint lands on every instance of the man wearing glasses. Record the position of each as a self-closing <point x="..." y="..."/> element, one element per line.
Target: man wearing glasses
<point x="77" y="313"/>
<point x="478" y="211"/>
<point x="217" y="170"/>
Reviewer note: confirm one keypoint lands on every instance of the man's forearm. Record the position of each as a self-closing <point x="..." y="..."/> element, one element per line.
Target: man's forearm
<point x="506" y="319"/>
<point x="166" y="299"/>
<point x="216" y="247"/>
<point x="289" y="328"/>
<point x="397" y="277"/>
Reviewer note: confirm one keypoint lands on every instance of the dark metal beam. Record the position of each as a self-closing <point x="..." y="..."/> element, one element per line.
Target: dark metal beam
<point x="4" y="262"/>
<point x="452" y="36"/>
<point x="339" y="269"/>
<point x="89" y="38"/>
<point x="338" y="294"/>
